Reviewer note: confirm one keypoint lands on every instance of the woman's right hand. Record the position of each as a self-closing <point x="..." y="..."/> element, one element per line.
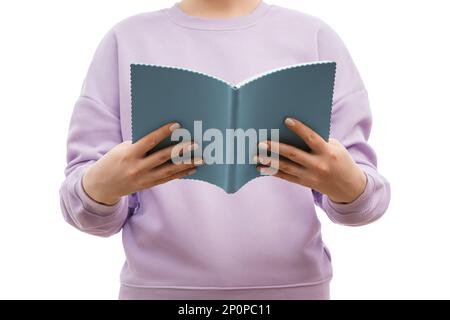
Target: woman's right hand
<point x="127" y="168"/>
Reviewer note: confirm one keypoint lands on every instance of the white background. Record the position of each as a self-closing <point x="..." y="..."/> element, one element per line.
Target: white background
<point x="402" y="49"/>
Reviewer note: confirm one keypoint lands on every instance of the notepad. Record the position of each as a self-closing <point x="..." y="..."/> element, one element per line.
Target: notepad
<point x="162" y="94"/>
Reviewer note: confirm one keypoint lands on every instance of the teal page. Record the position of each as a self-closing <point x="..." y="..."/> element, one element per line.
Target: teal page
<point x="304" y="92"/>
<point x="164" y="94"/>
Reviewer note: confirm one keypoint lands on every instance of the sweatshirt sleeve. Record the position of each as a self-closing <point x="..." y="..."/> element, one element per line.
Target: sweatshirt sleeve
<point x="351" y="123"/>
<point x="94" y="129"/>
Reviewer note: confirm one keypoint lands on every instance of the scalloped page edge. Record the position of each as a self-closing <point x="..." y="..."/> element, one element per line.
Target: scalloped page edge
<point x="266" y="73"/>
<point x="227" y="191"/>
<point x="243" y="82"/>
<point x="332" y="99"/>
<point x="181" y="69"/>
<point x="131" y="103"/>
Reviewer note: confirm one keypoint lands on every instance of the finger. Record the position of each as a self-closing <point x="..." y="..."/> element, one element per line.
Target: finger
<point x="282" y="175"/>
<point x="182" y="154"/>
<point x="287" y="166"/>
<point x="309" y="136"/>
<point x="292" y="153"/>
<point x="178" y="175"/>
<point x="150" y="141"/>
<point x="158" y="158"/>
<point x="170" y="169"/>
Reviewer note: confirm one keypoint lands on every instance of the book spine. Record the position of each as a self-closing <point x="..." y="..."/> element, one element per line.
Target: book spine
<point x="233" y="113"/>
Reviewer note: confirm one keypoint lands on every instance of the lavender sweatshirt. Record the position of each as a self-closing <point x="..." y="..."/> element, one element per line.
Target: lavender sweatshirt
<point x="188" y="239"/>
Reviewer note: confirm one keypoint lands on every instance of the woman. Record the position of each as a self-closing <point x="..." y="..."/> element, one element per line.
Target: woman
<point x="187" y="239"/>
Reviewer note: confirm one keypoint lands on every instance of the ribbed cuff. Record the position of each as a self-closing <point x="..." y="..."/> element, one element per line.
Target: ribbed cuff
<point x="361" y="205"/>
<point x="93" y="206"/>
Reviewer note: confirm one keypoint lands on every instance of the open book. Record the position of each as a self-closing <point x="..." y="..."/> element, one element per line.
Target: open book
<point x="200" y="102"/>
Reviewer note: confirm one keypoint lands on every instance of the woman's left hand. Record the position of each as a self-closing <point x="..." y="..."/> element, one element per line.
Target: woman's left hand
<point x="328" y="168"/>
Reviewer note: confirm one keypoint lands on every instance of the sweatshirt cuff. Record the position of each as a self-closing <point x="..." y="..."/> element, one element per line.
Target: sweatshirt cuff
<point x="361" y="205"/>
<point x="93" y="206"/>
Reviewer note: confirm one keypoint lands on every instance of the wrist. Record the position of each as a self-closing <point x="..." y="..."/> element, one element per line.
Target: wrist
<point x="352" y="191"/>
<point x="94" y="192"/>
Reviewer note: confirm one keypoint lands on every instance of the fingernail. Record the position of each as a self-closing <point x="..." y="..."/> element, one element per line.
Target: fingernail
<point x="265" y="171"/>
<point x="190" y="173"/>
<point x="263" y="160"/>
<point x="198" y="161"/>
<point x="289" y="122"/>
<point x="263" y="146"/>
<point x="192" y="147"/>
<point x="174" y="127"/>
